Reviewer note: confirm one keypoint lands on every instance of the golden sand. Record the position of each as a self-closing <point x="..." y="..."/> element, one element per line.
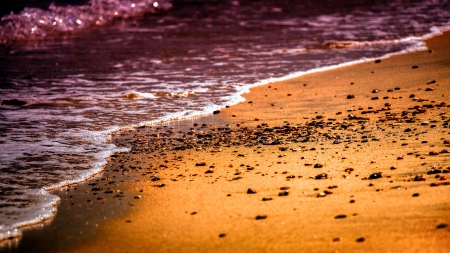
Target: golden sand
<point x="376" y="152"/>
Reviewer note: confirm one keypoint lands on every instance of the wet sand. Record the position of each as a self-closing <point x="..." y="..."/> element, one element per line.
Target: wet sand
<point x="355" y="159"/>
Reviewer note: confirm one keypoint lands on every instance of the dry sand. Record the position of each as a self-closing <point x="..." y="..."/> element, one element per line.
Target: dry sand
<point x="385" y="162"/>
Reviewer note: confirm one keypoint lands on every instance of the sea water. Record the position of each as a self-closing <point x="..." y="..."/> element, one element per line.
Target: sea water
<point x="74" y="71"/>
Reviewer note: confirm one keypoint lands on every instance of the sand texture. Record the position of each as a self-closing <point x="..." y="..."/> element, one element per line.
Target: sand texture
<point x="355" y="159"/>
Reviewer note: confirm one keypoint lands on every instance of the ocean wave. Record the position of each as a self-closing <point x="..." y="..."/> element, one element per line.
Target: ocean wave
<point x="38" y="24"/>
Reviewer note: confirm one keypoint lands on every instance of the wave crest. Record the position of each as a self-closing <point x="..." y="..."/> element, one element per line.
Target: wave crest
<point x="37" y="24"/>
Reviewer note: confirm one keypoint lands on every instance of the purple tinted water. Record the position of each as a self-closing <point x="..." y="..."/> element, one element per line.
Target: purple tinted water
<point x="66" y="86"/>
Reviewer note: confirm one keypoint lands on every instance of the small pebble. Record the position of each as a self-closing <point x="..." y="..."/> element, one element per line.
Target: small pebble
<point x="340" y="216"/>
<point x="361" y="239"/>
<point x="375" y="176"/>
<point x="251" y="191"/>
<point x="321" y="176"/>
<point x="442" y="225"/>
<point x="261" y="217"/>
<point x="283" y="193"/>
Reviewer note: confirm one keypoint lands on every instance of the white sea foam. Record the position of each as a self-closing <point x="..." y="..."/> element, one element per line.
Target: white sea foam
<point x="35" y="24"/>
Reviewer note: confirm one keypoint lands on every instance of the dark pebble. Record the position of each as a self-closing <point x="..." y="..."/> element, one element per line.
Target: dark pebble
<point x="435" y="171"/>
<point x="419" y="178"/>
<point x="361" y="239"/>
<point x="340" y="216"/>
<point x="222" y="235"/>
<point x="375" y="175"/>
<point x="96" y="189"/>
<point x="442" y="225"/>
<point x="352" y="201"/>
<point x="350" y="96"/>
<point x="318" y="165"/>
<point x="251" y="191"/>
<point x="415" y="67"/>
<point x="266" y="199"/>
<point x="377" y="61"/>
<point x="283" y="193"/>
<point x="416" y="194"/>
<point x="261" y="217"/>
<point x="209" y="171"/>
<point x="216" y="112"/>
<point x="322" y="176"/>
<point x="200" y="164"/>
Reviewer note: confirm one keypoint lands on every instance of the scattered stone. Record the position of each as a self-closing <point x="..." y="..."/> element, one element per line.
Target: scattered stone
<point x="416" y="194"/>
<point x="340" y="216"/>
<point x="433" y="153"/>
<point x="321" y="176"/>
<point x="266" y="199"/>
<point x="419" y="178"/>
<point x="415" y="67"/>
<point x="434" y="171"/>
<point x="251" y="191"/>
<point x="361" y="239"/>
<point x="261" y="217"/>
<point x="200" y="164"/>
<point x="216" y="112"/>
<point x="375" y="175"/>
<point x="318" y="165"/>
<point x="283" y="193"/>
<point x="350" y="96"/>
<point x="442" y="225"/>
<point x="222" y="235"/>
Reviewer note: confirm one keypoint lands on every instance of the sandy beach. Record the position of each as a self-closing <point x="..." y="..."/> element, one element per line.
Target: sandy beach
<point x="354" y="159"/>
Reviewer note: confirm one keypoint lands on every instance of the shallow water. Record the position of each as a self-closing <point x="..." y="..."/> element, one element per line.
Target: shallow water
<point x="65" y="87"/>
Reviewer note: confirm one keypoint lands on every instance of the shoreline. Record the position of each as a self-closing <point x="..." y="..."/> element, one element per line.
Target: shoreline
<point x="268" y="106"/>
